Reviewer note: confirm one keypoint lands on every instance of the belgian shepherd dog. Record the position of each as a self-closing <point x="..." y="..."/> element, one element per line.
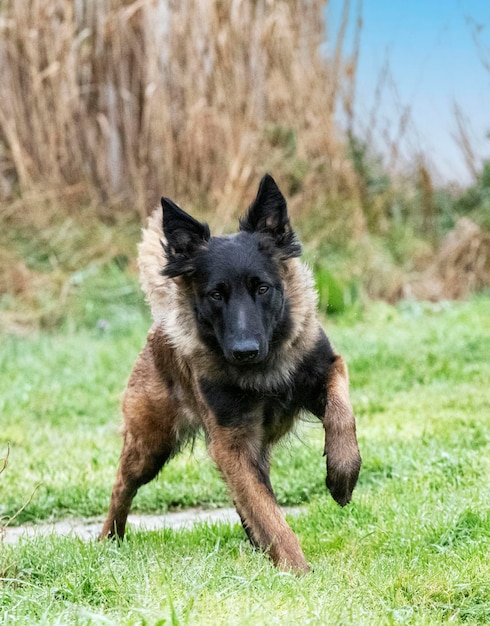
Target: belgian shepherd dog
<point x="235" y="350"/>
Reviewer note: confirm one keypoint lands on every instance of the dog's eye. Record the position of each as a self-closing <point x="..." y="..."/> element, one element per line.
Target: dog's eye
<point x="216" y="295"/>
<point x="261" y="289"/>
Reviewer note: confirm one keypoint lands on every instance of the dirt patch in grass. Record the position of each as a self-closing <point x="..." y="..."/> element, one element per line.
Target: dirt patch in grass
<point x="88" y="529"/>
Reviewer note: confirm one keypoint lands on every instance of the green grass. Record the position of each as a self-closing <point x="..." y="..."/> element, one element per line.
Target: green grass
<point x="412" y="548"/>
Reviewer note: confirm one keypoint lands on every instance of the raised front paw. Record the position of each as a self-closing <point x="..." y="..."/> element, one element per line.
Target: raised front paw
<point x="342" y="477"/>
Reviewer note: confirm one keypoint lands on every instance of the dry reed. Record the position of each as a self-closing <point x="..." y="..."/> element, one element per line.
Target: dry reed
<point x="460" y="267"/>
<point x="106" y="105"/>
<point x="117" y="102"/>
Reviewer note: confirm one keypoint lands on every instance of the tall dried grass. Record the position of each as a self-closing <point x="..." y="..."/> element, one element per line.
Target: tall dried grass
<point x="108" y="104"/>
<point x="118" y="101"/>
<point x="460" y="267"/>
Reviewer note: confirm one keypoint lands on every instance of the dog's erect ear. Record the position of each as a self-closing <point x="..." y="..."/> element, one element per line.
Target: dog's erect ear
<point x="268" y="214"/>
<point x="184" y="237"/>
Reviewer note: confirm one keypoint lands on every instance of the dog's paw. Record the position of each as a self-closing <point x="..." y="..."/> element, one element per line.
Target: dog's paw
<point x="342" y="478"/>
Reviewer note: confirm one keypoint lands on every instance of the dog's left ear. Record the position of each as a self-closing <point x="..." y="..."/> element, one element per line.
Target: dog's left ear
<point x="268" y="214"/>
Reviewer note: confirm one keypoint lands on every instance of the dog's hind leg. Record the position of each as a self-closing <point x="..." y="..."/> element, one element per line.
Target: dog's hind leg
<point x="149" y="440"/>
<point x="341" y="449"/>
<point x="238" y="458"/>
<point x="138" y="465"/>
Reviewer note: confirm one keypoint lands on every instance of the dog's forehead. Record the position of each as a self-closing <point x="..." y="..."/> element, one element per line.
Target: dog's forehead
<point x="235" y="256"/>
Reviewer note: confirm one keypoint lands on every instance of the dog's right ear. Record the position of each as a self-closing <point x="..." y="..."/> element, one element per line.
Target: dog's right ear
<point x="184" y="237"/>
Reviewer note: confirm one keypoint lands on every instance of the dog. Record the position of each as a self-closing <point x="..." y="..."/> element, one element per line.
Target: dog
<point x="236" y="350"/>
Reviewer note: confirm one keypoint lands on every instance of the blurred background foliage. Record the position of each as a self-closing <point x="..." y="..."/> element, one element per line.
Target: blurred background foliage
<point x="106" y="106"/>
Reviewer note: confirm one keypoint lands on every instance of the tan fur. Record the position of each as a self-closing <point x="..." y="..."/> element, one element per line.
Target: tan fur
<point x="170" y="308"/>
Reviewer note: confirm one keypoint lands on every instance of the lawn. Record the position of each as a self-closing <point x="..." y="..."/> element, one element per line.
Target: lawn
<point x="412" y="548"/>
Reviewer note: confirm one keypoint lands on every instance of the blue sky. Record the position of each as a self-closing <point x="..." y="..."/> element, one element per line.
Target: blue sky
<point x="434" y="63"/>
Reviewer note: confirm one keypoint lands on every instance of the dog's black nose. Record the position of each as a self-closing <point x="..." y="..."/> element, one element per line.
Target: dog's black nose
<point x="245" y="355"/>
<point x="245" y="351"/>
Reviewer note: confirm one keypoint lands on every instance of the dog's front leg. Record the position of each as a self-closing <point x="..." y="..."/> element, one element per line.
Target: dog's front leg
<point x="237" y="453"/>
<point x="341" y="449"/>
